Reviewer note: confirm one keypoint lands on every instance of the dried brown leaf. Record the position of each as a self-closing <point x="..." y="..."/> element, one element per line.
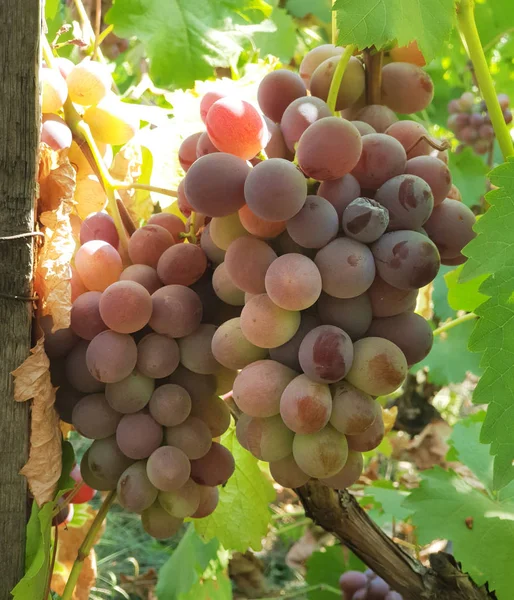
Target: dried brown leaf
<point x="32" y="380"/>
<point x="56" y="178"/>
<point x="430" y="447"/>
<point x="424" y="305"/>
<point x="389" y="416"/>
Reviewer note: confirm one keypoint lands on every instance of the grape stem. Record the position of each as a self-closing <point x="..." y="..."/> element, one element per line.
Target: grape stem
<point x="300" y="592"/>
<point x="453" y="323"/>
<point x="469" y="32"/>
<point x="87" y="545"/>
<point x="431" y="142"/>
<point x="373" y="61"/>
<point x="121" y="185"/>
<point x="338" y="77"/>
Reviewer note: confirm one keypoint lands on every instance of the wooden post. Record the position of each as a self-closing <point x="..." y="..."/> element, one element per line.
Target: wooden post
<point x="20" y="26"/>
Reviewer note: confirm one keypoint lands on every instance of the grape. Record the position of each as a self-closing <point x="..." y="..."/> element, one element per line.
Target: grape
<point x="321" y="454"/>
<point x="314" y="58"/>
<point x="85" y="493"/>
<point x="379" y="366"/>
<point x="507" y="115"/>
<point x="382" y="157"/>
<point x="258" y="226"/>
<point x="89" y="196"/>
<point x="88" y="82"/>
<point x="406" y="259"/>
<point x="370" y="439"/>
<point x="195" y="350"/>
<point x="481" y="146"/>
<point x="287" y="353"/>
<point x="158" y="523"/>
<point x="276" y="147"/>
<point x="111" y="356"/>
<point x="315" y="225"/>
<point x="378" y="588"/>
<point x="215" y="184"/>
<point x="177" y="311"/>
<point x="106" y="461"/>
<point x="55" y="132"/>
<point x="85" y="319"/>
<point x="182" y="264"/>
<point x="365" y="220"/>
<point x="259" y="386"/>
<point x="205" y="146"/>
<point x="144" y="275"/>
<point x="224" y="230"/>
<point x="168" y="468"/>
<point x="326" y="354"/>
<point x="268" y="438"/>
<point x="182" y="202"/>
<point x="131" y="394"/>
<point x="363" y="128"/>
<point x="192" y="436"/>
<point x="172" y="223"/>
<point x="236" y="127"/>
<point x="225" y="288"/>
<point x="198" y="386"/>
<point x="349" y="474"/>
<point x="187" y="150"/>
<point x="329" y="148"/>
<point x="293" y="282"/>
<point x="486" y="132"/>
<point x="340" y="192"/>
<point x="125" y="306"/>
<point x="58" y="343"/>
<point x="393" y="596"/>
<point x="183" y="502"/>
<point x="305" y="405"/>
<point x="287" y="473"/>
<point x="231" y="348"/>
<point x="209" y="497"/>
<point x="77" y="371"/>
<point x="208" y="99"/>
<point x="138" y="435"/>
<point x="275" y="190"/>
<point x="378" y="116"/>
<point x="214" y="412"/>
<point x="215" y="468"/>
<point x="277" y="90"/>
<point x="170" y="405"/>
<point x="265" y="324"/>
<point x="352" y="315"/>
<point x="406" y="88"/>
<point x="353" y="411"/>
<point x="112" y="121"/>
<point x="224" y="380"/>
<point x="92" y="480"/>
<point x="214" y="254"/>
<point x="411" y="136"/>
<point x="434" y="172"/>
<point x="54" y="90"/>
<point x="387" y="301"/>
<point x="94" y="418"/>
<point x="409" y="54"/>
<point x="450" y="227"/>
<point x="135" y="493"/>
<point x="352" y="85"/>
<point x="147" y="244"/>
<point x="157" y="355"/>
<point x="99" y="226"/>
<point x="299" y="115"/>
<point x="65" y="400"/>
<point x="247" y="261"/>
<point x="98" y="265"/>
<point x="347" y="268"/>
<point x="351" y="582"/>
<point x="409" y="331"/>
<point x="409" y="201"/>
<point x="467" y="134"/>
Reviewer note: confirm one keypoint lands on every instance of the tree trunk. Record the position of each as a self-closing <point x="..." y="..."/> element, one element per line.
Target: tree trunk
<point x="20" y="25"/>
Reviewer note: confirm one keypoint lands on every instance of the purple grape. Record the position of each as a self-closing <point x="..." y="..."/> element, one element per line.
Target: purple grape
<point x="352" y="581"/>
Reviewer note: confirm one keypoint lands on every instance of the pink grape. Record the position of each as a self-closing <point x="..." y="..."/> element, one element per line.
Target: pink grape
<point x="98" y="265"/>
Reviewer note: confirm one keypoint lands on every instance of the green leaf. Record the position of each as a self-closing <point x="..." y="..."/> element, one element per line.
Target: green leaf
<point x="54" y="16"/>
<point x="319" y="8"/>
<point x="469" y="174"/>
<point x="242" y="517"/>
<point x="195" y="571"/>
<point x="442" y="309"/>
<point x="281" y="42"/>
<point x="387" y="499"/>
<point x="325" y="566"/>
<point x="492" y="253"/>
<point x="480" y="528"/>
<point x="68" y="461"/>
<point x="186" y="40"/>
<point x="37" y="553"/>
<point x="450" y="360"/>
<point x="464" y="295"/>
<point x="493" y="18"/>
<point x="380" y="22"/>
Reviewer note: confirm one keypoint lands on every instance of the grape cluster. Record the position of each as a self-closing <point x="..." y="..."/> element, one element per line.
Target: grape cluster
<point x="366" y="586"/>
<point x="470" y="121"/>
<point x="322" y="255"/>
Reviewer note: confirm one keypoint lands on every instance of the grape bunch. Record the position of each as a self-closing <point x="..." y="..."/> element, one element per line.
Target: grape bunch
<point x="320" y="232"/>
<point x="470" y="121"/>
<point x="366" y="586"/>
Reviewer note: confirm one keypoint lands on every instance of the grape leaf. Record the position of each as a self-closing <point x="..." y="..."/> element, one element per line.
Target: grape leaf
<point x="469" y="175"/>
<point x="442" y="309"/>
<point x="326" y="565"/>
<point x="481" y="529"/>
<point x="186" y="40"/>
<point x="242" y="517"/>
<point x="281" y="43"/>
<point x="379" y="23"/>
<point x="450" y="360"/>
<point x="387" y="499"/>
<point x="319" y="8"/>
<point x="464" y="295"/>
<point x="492" y="253"/>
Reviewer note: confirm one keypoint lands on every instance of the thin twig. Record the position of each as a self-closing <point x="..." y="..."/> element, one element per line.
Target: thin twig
<point x="445" y="145"/>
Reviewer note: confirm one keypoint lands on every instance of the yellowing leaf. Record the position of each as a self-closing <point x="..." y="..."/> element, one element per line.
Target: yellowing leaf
<point x="32" y="380"/>
<point x="56" y="178"/>
<point x="389" y="416"/>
